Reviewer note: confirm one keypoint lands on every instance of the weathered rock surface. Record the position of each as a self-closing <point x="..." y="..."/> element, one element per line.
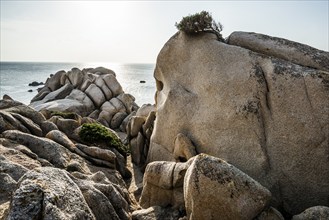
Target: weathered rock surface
<point x="48" y="193"/>
<point x="156" y="212"/>
<point x="184" y="148"/>
<point x="316" y="212"/>
<point x="214" y="189"/>
<point x="15" y="115"/>
<point x="266" y="116"/>
<point x="163" y="184"/>
<point x="281" y="48"/>
<point x="45" y="148"/>
<point x="270" y="214"/>
<point x="63" y="105"/>
<point x="106" y="199"/>
<point x="33" y="187"/>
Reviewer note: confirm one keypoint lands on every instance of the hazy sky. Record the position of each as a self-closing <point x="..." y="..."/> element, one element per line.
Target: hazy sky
<point x="135" y="31"/>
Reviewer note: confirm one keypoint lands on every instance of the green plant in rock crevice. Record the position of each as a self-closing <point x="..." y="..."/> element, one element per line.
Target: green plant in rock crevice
<point x="96" y="133"/>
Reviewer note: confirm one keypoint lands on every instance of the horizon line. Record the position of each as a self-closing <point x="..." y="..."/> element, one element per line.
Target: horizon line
<point x="75" y="62"/>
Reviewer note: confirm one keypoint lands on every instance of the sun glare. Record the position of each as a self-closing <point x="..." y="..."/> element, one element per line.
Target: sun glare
<point x="104" y="10"/>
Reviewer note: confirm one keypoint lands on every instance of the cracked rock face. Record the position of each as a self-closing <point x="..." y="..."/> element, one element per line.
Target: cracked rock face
<point x="267" y="116"/>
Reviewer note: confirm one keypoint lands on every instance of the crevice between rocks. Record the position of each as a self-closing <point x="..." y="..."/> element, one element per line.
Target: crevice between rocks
<point x="264" y="110"/>
<point x="310" y="103"/>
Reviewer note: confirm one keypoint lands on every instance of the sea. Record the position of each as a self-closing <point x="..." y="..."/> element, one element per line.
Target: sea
<point x="16" y="76"/>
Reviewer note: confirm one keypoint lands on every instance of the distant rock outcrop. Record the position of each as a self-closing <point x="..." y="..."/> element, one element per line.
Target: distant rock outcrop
<point x="260" y="103"/>
<point x="93" y="92"/>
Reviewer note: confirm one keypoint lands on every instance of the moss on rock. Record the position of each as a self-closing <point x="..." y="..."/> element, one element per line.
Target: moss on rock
<point x="97" y="133"/>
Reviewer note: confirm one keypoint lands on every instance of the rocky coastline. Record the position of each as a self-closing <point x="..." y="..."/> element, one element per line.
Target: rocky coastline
<point x="239" y="130"/>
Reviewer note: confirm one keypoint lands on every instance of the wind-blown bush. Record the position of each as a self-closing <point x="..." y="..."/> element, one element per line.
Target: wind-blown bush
<point x="200" y="22"/>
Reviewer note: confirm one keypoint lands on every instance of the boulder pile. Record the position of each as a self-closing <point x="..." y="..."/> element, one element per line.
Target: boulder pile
<point x="92" y="92"/>
<point x="139" y="131"/>
<point x="48" y="169"/>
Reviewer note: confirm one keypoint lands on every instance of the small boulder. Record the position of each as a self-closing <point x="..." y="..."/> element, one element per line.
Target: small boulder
<point x="47" y="126"/>
<point x="60" y="93"/>
<point x="163" y="184"/>
<point x="102" y="71"/>
<point x="65" y="125"/>
<point x="60" y="138"/>
<point x="83" y="98"/>
<point x="76" y="77"/>
<point x="107" y="116"/>
<point x="145" y="110"/>
<point x="184" y="149"/>
<point x="270" y="214"/>
<point x="112" y="83"/>
<point x="128" y="101"/>
<point x="123" y="126"/>
<point x="101" y="84"/>
<point x="156" y="212"/>
<point x="105" y="199"/>
<point x="228" y="192"/>
<point x="136" y="125"/>
<point x="43" y="147"/>
<point x="35" y="83"/>
<point x="118" y="104"/>
<point x="117" y="119"/>
<point x="316" y="212"/>
<point x="102" y="154"/>
<point x="27" y="112"/>
<point x="7" y="186"/>
<point x="54" y="82"/>
<point x="29" y="124"/>
<point x="14" y="170"/>
<point x="96" y="94"/>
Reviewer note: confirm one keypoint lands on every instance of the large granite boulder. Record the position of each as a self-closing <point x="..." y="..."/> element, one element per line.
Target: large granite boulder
<point x="266" y="115"/>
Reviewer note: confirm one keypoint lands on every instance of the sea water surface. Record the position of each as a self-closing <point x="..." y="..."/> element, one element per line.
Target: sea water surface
<point x="15" y="77"/>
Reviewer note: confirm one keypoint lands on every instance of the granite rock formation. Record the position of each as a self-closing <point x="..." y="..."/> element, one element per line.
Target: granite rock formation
<point x="93" y="92"/>
<point x="48" y="172"/>
<point x="248" y="103"/>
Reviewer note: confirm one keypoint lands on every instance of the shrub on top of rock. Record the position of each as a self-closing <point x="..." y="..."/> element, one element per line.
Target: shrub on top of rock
<point x="200" y="22"/>
<point x="96" y="133"/>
